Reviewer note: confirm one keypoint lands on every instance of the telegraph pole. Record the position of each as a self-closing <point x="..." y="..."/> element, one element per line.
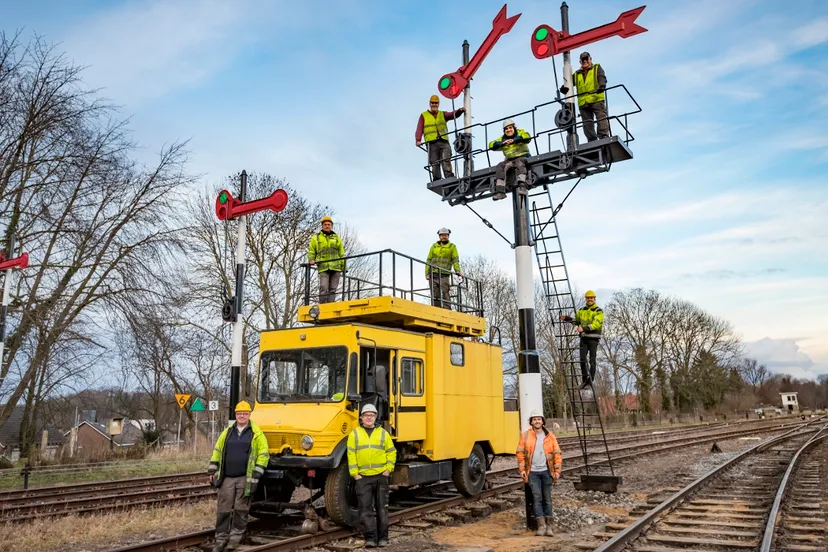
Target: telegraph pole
<point x="467" y="117"/>
<point x="230" y="208"/>
<point x="571" y="135"/>
<point x="238" y="322"/>
<point x="6" y="265"/>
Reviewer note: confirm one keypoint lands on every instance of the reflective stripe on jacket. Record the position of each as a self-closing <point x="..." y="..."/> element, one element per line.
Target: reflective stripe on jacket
<point x="443" y="257"/>
<point x="434" y="127"/>
<point x="518" y="148"/>
<point x="587" y="84"/>
<point x="256" y="462"/>
<point x="370" y="455"/>
<point x="324" y="247"/>
<point x="526" y="448"/>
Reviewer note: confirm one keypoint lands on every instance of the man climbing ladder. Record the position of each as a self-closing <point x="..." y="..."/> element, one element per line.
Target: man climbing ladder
<point x="589" y="321"/>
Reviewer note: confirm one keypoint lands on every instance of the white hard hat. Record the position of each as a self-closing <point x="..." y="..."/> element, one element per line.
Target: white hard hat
<point x="369" y="408"/>
<point x="508" y="122"/>
<point x="536" y="414"/>
<point x="443" y="231"/>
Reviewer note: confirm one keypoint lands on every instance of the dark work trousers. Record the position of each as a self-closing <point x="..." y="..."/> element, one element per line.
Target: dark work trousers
<point x="439" y="153"/>
<point x="372" y="493"/>
<point x="589" y="112"/>
<point x="440" y="290"/>
<point x="541" y="484"/>
<point x="328" y="282"/>
<point x="521" y="172"/>
<point x="589" y="344"/>
<point x="231" y="513"/>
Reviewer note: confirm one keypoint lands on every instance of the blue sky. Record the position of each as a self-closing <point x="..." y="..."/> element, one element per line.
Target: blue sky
<point x="724" y="204"/>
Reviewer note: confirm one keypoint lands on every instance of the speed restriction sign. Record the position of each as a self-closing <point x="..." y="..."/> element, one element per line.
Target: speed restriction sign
<point x="213" y="405"/>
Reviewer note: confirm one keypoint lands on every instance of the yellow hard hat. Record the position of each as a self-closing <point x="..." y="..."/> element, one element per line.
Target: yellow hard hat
<point x="434" y="98"/>
<point x="589" y="293"/>
<point x="327" y="219"/>
<point x="243" y="406"/>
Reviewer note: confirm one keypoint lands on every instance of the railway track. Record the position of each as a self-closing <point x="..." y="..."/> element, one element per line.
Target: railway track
<point x="91" y="498"/>
<point x="737" y="505"/>
<point x="505" y="489"/>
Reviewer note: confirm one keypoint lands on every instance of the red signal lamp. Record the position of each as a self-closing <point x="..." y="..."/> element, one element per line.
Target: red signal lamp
<point x="229" y="207"/>
<point x="18" y="262"/>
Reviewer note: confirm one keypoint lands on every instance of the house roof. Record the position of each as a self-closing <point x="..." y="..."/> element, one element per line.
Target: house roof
<point x="10" y="430"/>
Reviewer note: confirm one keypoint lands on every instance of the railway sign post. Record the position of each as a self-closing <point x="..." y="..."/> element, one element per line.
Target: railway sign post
<point x="6" y="266"/>
<point x="197" y="406"/>
<point x="180" y="399"/>
<point x="230" y="208"/>
<point x="213" y="406"/>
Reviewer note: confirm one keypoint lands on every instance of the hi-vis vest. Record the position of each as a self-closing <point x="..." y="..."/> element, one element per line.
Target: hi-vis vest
<point x="515" y="149"/>
<point x="587" y="84"/>
<point x="323" y="248"/>
<point x="434" y="127"/>
<point x="370" y="455"/>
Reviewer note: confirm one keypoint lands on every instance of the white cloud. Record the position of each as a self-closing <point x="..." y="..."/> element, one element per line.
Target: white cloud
<point x="784" y="356"/>
<point x="812" y="34"/>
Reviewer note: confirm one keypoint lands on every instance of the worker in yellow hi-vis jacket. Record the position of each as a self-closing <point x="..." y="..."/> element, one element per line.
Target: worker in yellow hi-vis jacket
<point x="371" y="459"/>
<point x="238" y="461"/>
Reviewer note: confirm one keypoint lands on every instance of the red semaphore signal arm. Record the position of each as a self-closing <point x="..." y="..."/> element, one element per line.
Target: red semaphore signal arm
<point x="452" y="84"/>
<point x="18" y="262"/>
<point x="228" y="207"/>
<point x="547" y="42"/>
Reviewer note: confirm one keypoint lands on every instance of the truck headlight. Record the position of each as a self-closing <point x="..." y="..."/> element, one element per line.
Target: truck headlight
<point x="307" y="442"/>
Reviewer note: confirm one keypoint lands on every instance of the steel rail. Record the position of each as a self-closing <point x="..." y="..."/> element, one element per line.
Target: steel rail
<point x="770" y="527"/>
<point x="76" y="487"/>
<point x="621" y="540"/>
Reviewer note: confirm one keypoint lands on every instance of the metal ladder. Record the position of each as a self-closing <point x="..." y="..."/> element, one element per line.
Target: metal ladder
<point x="559" y="300"/>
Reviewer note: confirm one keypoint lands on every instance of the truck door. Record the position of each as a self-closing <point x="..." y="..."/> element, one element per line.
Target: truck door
<point x="408" y="390"/>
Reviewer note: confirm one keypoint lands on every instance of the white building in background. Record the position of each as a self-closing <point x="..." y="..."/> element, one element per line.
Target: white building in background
<point x="789" y="402"/>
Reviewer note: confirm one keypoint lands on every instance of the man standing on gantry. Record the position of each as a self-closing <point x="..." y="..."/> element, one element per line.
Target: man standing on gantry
<point x="589" y="322"/>
<point x="591" y="81"/>
<point x="432" y="127"/>
<point x="515" y="147"/>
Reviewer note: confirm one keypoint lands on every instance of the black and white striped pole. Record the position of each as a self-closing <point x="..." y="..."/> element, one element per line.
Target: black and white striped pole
<point x="529" y="376"/>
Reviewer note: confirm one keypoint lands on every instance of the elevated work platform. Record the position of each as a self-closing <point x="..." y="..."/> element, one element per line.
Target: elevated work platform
<point x="389" y="288"/>
<point x="398" y="313"/>
<point x="551" y="161"/>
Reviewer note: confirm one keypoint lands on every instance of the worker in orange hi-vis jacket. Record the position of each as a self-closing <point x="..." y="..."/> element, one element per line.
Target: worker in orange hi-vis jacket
<point x="540" y="466"/>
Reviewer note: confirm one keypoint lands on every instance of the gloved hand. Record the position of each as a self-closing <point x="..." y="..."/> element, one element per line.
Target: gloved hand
<point x="253" y="486"/>
<point x="564" y="89"/>
<point x="461" y="110"/>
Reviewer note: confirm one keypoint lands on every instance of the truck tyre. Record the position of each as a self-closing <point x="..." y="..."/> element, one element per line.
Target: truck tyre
<point x="469" y="474"/>
<point x="340" y="497"/>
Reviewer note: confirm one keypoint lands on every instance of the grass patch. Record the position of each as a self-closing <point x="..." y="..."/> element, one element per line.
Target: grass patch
<point x="160" y="463"/>
<point x="107" y="531"/>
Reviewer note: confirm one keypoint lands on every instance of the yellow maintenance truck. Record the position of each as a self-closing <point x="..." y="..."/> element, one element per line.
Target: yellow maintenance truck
<point x="436" y="383"/>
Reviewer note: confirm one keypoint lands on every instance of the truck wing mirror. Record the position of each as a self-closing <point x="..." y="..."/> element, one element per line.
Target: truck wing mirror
<point x="353" y="401"/>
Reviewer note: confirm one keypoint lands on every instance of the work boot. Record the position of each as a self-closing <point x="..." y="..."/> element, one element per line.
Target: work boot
<point x="220" y="546"/>
<point x="382" y="543"/>
<point x="585" y="384"/>
<point x="499" y="196"/>
<point x="549" y="532"/>
<point x="370" y="544"/>
<point x="541" y="527"/>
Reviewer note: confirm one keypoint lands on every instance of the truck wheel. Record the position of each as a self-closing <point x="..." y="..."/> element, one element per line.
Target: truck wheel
<point x="340" y="497"/>
<point x="469" y="475"/>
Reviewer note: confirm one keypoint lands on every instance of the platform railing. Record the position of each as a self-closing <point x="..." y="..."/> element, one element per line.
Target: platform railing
<point x="545" y="132"/>
<point x="391" y="273"/>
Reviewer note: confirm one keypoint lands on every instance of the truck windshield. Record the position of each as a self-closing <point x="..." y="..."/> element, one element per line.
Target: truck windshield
<point x="303" y="375"/>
